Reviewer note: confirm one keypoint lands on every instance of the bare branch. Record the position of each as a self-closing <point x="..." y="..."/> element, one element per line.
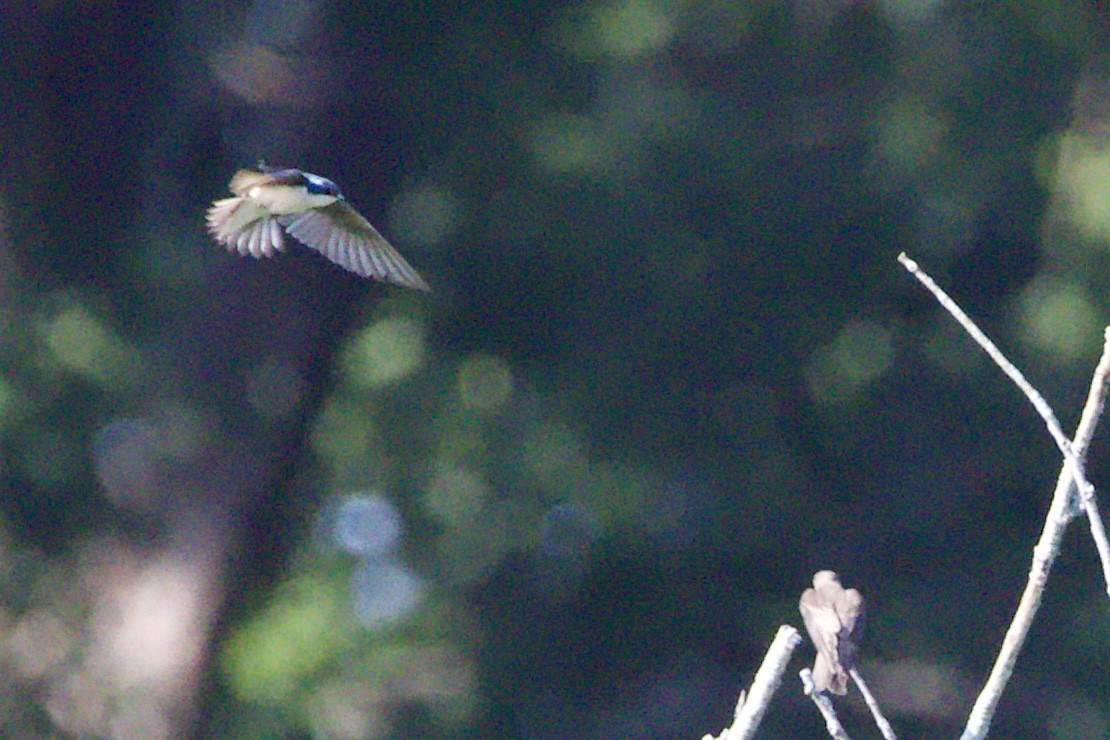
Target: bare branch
<point x="825" y="705"/>
<point x="752" y="705"/>
<point x="876" y="712"/>
<point x="1092" y="411"/>
<point x="1034" y="396"/>
<point x="1061" y="512"/>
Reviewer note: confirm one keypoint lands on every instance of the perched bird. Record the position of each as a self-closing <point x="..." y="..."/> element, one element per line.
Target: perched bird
<point x="311" y="209"/>
<point x="833" y="617"/>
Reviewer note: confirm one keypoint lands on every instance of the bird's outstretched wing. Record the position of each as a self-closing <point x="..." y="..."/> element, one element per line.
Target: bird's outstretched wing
<point x="239" y="224"/>
<point x="348" y="239"/>
<point x="261" y="238"/>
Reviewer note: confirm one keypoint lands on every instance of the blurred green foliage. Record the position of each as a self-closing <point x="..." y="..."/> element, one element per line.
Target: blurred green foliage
<point x="669" y="366"/>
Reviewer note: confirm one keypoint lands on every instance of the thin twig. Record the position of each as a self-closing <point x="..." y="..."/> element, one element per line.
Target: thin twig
<point x="1007" y="367"/>
<point x="876" y="712"/>
<point x="824" y="705"/>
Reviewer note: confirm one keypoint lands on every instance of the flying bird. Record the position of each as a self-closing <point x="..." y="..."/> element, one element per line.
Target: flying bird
<point x="273" y="202"/>
<point x="833" y="617"/>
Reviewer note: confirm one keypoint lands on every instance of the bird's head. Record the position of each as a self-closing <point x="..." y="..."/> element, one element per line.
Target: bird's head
<point x="317" y="185"/>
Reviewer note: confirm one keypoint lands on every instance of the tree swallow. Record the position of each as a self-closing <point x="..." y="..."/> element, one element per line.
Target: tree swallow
<point x="313" y="211"/>
<point x="833" y="617"/>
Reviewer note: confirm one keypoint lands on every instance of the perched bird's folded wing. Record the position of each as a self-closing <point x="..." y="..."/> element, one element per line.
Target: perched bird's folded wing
<point x="824" y="627"/>
<point x="348" y="239"/>
<point x="851" y="612"/>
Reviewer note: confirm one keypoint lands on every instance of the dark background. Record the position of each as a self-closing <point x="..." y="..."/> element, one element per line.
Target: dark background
<point x="669" y="366"/>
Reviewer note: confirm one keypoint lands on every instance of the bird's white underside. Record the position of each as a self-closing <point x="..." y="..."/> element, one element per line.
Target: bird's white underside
<point x="284" y="201"/>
